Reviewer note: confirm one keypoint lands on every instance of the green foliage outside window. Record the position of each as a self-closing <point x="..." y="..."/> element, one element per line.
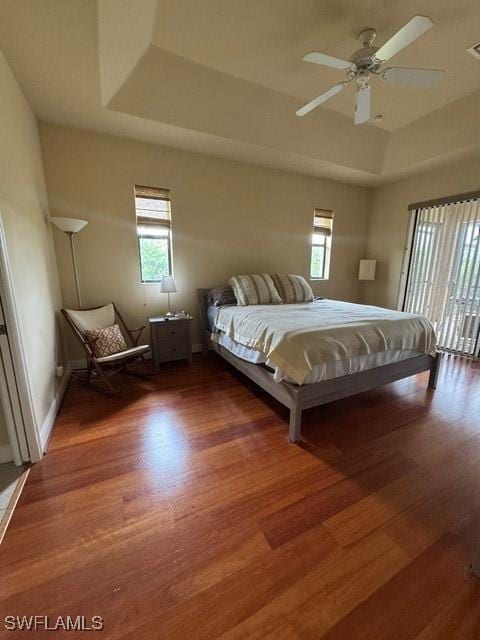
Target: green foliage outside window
<point x="317" y="268"/>
<point x="154" y="258"/>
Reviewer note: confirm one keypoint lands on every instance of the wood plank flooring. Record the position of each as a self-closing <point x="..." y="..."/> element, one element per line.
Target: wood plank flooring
<point x="178" y="510"/>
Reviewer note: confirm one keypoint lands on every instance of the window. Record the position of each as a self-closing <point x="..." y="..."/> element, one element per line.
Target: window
<point x="152" y="208"/>
<point x="321" y="244"/>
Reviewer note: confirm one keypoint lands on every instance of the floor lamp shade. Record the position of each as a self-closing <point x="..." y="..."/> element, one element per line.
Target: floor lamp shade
<point x="366" y="270"/>
<point x="71" y="226"/>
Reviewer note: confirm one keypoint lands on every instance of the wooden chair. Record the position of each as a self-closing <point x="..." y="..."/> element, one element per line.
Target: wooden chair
<point x="100" y="370"/>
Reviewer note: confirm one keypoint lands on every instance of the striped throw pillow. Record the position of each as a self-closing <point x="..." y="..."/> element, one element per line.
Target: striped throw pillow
<point x="257" y="288"/>
<point x="292" y="288"/>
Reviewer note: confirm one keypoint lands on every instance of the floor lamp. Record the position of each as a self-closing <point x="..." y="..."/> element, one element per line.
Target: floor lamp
<point x="71" y="226"/>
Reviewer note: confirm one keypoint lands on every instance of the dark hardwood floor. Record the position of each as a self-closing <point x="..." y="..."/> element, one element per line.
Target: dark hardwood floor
<point x="178" y="510"/>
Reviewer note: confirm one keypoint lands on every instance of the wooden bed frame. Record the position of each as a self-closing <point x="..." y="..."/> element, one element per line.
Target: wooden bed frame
<point x="297" y="398"/>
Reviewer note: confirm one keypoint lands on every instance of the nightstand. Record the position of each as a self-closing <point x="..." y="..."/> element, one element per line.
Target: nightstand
<point x="171" y="339"/>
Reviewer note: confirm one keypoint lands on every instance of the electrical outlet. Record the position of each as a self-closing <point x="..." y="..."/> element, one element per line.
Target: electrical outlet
<point x="59" y="371"/>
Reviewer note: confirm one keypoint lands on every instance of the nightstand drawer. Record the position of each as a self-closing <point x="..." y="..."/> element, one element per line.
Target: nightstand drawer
<point x="171" y="350"/>
<point x="171" y="333"/>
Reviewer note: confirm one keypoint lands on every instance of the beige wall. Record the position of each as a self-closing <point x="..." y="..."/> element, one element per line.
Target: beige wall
<point x="24" y="209"/>
<point x="388" y="224"/>
<point x="228" y="218"/>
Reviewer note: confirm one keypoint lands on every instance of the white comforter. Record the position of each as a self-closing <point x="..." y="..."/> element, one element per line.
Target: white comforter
<point x="295" y="338"/>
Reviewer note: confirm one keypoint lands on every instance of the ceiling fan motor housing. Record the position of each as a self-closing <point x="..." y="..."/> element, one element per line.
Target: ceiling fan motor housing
<point x="365" y="62"/>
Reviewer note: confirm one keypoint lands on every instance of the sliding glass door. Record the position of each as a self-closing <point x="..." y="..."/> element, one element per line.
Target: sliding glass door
<point x="444" y="274"/>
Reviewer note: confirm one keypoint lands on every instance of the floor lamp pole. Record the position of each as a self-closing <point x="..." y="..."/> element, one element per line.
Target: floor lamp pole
<point x="75" y="269"/>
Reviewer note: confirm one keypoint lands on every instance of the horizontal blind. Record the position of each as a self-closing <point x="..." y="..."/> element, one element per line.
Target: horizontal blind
<point x="444" y="277"/>
<point x="152" y="206"/>
<point x="323" y="222"/>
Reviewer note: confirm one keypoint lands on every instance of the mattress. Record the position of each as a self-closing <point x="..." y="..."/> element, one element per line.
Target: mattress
<point x="322" y="340"/>
<point x="319" y="372"/>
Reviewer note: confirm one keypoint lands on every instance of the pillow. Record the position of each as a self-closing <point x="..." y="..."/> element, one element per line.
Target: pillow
<point x="110" y="340"/>
<point x="257" y="288"/>
<point x="292" y="288"/>
<point x="221" y="295"/>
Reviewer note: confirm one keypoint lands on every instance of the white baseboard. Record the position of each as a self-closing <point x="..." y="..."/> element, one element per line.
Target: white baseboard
<point x="47" y="426"/>
<point x="82" y="363"/>
<point x="6" y="454"/>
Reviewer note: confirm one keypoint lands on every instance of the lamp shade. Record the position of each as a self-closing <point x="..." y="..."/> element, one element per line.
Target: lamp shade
<point x="168" y="285"/>
<point x="366" y="270"/>
<point x="69" y="225"/>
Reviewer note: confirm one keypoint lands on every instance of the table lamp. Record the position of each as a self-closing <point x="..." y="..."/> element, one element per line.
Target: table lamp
<point x="168" y="286"/>
<point x="366" y="270"/>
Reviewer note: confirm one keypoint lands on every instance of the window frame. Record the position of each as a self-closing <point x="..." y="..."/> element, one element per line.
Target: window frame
<point x="326" y="245"/>
<point x="143" y="236"/>
<point x="163" y="224"/>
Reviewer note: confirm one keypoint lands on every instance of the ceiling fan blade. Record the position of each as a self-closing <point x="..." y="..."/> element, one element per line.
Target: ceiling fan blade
<point x="407" y="34"/>
<point x="418" y="77"/>
<point x="328" y="61"/>
<point x="320" y="100"/>
<point x="362" y="104"/>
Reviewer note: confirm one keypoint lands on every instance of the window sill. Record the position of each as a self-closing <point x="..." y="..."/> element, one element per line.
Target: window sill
<point x="319" y="279"/>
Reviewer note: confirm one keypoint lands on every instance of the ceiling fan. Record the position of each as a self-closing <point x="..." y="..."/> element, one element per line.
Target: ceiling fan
<point x="368" y="62"/>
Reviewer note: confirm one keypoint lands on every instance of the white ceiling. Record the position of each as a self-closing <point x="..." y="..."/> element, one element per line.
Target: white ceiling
<point x="226" y="77"/>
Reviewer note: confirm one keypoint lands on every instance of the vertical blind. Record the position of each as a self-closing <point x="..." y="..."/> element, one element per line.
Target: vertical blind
<point x="444" y="275"/>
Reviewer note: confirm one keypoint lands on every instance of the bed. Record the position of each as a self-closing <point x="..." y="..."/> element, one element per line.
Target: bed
<point x="309" y="354"/>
